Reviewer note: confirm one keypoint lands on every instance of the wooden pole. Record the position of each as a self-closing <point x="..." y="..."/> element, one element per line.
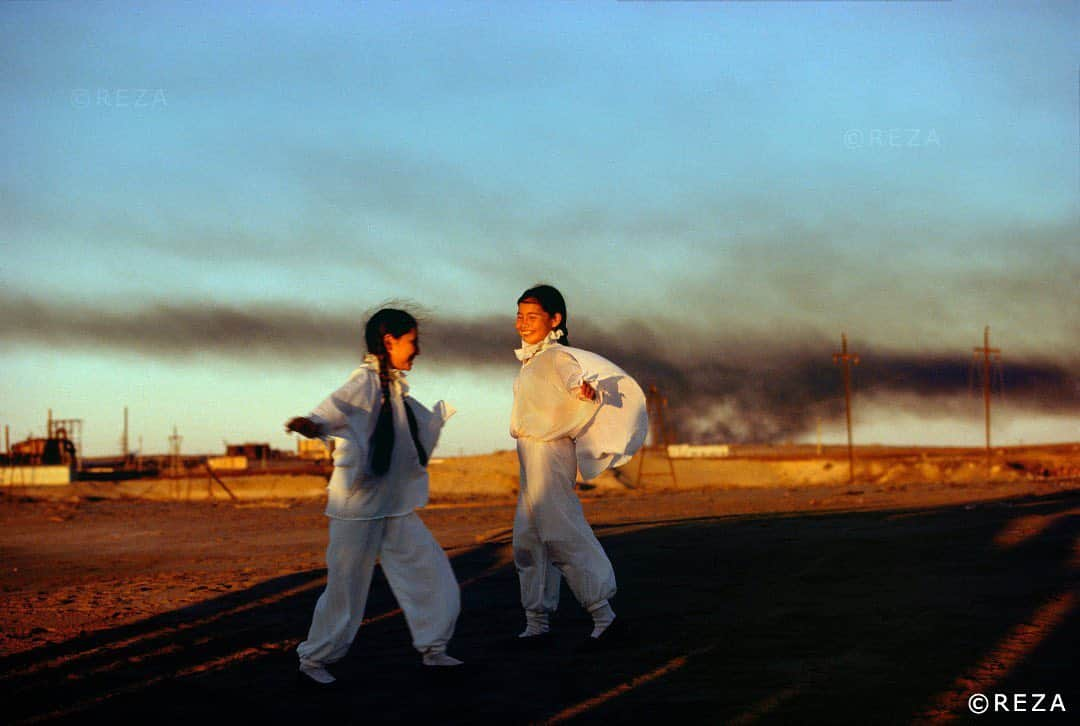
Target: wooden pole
<point x="986" y="386"/>
<point x="654" y="405"/>
<point x="986" y="351"/>
<point x="215" y="477"/>
<point x="641" y="463"/>
<point x="174" y="452"/>
<point x="846" y="360"/>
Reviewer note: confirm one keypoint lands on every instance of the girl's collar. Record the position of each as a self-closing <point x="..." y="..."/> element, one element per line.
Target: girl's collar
<point x="528" y="350"/>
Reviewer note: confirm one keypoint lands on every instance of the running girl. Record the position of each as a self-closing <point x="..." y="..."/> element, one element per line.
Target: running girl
<point x="573" y="410"/>
<point x="383" y="438"/>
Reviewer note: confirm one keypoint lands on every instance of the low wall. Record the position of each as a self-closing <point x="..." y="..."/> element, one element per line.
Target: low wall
<point x="227" y="463"/>
<point x="495" y="476"/>
<point x="35" y="476"/>
<point x="698" y="451"/>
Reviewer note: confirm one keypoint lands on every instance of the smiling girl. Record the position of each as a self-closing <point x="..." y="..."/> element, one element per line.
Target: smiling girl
<point x="383" y="438"/>
<point x="573" y="411"/>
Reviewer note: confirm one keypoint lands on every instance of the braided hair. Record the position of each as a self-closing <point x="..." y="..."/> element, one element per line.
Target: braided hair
<point x="395" y="323"/>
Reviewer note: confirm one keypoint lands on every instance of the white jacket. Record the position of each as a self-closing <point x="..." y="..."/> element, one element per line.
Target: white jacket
<point x="348" y="417"/>
<point x="607" y="432"/>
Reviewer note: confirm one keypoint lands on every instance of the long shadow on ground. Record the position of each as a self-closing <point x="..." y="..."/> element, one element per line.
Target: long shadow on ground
<point x="863" y="617"/>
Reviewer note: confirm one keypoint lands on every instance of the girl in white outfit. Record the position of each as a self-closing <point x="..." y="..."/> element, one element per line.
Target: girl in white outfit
<point x="558" y="396"/>
<point x="382" y="439"/>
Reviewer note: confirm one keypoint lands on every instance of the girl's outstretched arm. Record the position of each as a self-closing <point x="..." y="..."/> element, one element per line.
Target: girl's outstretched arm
<point x="303" y="426"/>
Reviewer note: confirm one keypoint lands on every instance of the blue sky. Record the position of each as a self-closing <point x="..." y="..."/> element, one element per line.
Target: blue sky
<point x="722" y="183"/>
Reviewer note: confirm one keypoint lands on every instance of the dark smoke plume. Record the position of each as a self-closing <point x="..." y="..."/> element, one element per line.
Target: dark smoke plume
<point x="717" y="390"/>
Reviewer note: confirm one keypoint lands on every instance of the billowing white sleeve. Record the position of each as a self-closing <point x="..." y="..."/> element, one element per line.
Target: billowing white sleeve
<point x="572" y="375"/>
<point x="619" y="427"/>
<point x="356" y="398"/>
<point x="430" y="422"/>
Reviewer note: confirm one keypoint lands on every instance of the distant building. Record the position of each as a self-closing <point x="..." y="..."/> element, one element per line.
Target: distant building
<point x="48" y="452"/>
<point x="40" y="462"/>
<point x="253" y="451"/>
<point x="312" y="450"/>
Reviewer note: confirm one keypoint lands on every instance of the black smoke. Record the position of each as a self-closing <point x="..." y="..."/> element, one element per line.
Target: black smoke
<point x="717" y="388"/>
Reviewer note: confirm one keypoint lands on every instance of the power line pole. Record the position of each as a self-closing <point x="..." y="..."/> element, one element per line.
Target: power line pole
<point x="655" y="404"/>
<point x="124" y="436"/>
<point x="846" y="360"/>
<point x="986" y="351"/>
<point x="175" y="462"/>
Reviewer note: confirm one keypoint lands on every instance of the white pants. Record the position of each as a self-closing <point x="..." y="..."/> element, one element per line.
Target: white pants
<point x="417" y="569"/>
<point x="551" y="536"/>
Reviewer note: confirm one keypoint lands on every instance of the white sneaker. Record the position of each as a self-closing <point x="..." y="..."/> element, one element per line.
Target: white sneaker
<point x="317" y="673"/>
<point x="441" y="659"/>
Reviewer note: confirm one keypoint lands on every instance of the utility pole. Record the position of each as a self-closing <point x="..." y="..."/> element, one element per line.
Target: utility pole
<point x="986" y="352"/>
<point x="124" y="438"/>
<point x="846" y="360"/>
<point x="654" y="407"/>
<point x="174" y="452"/>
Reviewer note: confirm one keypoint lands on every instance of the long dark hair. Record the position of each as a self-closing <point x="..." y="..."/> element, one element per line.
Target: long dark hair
<point x="551" y="300"/>
<point x="396" y="323"/>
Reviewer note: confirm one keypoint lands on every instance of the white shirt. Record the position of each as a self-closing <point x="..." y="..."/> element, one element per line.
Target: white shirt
<point x="548" y="405"/>
<point x="348" y="416"/>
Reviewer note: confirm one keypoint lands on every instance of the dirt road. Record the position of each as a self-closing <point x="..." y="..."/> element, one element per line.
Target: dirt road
<point x="838" y="604"/>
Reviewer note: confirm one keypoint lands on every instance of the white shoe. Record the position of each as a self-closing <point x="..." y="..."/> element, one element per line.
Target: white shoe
<point x="441" y="659"/>
<point x="318" y="674"/>
<point x="532" y="632"/>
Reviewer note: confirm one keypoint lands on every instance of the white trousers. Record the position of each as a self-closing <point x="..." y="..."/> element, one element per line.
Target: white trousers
<point x="417" y="569"/>
<point x="551" y="537"/>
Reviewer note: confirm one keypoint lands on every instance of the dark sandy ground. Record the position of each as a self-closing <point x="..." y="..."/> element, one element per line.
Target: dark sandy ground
<point x="830" y="604"/>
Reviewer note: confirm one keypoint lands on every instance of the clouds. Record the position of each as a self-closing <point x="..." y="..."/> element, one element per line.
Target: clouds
<point x="694" y="155"/>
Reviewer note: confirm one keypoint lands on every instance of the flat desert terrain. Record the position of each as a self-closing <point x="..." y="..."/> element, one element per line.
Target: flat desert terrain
<point x="760" y="588"/>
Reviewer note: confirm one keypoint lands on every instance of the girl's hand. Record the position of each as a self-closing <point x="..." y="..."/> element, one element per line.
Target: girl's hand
<point x="587" y="392"/>
<point x="303" y="426"/>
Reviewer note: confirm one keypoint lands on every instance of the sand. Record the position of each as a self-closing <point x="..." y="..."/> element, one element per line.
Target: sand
<point x="495" y="476"/>
<point x="759" y="589"/>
